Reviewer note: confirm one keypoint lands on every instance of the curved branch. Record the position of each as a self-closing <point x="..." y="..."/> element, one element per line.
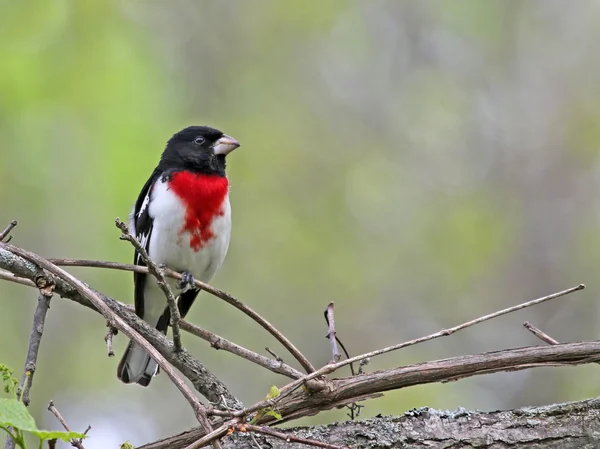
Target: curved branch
<point x="285" y="342"/>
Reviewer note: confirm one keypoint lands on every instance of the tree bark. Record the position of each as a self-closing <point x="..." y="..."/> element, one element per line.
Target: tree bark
<point x="573" y="425"/>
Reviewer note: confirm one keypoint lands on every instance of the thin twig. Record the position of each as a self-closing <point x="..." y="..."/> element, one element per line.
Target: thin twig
<point x="327" y="369"/>
<point x="219" y="342"/>
<point x="290" y="438"/>
<point x="7" y="230"/>
<point x="75" y="442"/>
<point x="37" y="330"/>
<point x="329" y="318"/>
<point x="539" y="334"/>
<point x="270" y="351"/>
<point x="108" y="338"/>
<point x="8" y="276"/>
<point x="206" y="287"/>
<point x="212" y="436"/>
<point x="120" y="324"/>
<point x="160" y="280"/>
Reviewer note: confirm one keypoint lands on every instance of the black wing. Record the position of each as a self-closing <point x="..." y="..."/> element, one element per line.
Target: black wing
<point x="141" y="224"/>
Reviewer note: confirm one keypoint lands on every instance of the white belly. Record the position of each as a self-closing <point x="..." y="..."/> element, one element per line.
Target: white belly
<point x="169" y="246"/>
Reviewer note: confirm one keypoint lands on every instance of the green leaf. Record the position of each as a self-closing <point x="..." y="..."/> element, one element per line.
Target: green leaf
<point x="126" y="445"/>
<point x="10" y="382"/>
<point x="14" y="413"/>
<point x="57" y="434"/>
<point x="274" y="414"/>
<point x="273" y="392"/>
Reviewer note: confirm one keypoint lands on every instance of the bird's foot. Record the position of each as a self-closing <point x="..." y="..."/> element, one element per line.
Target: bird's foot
<point x="187" y="281"/>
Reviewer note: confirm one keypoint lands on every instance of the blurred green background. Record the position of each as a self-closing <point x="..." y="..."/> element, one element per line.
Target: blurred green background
<point x="420" y="163"/>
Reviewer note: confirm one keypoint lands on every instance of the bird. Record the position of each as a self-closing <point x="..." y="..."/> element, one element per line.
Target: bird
<point x="182" y="217"/>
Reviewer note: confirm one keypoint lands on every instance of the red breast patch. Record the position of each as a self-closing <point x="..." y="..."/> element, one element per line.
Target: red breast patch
<point x="203" y="197"/>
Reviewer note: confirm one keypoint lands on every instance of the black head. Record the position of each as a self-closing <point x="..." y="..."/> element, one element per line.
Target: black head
<point x="200" y="149"/>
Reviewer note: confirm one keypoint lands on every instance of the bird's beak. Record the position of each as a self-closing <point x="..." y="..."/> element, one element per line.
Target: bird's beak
<point x="225" y="145"/>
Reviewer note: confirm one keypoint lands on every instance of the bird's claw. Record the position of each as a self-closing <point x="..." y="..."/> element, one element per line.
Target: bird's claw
<point x="187" y="281"/>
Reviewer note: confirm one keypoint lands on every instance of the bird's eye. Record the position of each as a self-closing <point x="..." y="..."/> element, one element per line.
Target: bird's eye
<point x="199" y="140"/>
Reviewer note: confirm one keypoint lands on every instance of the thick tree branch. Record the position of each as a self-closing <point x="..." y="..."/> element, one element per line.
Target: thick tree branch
<point x="563" y="426"/>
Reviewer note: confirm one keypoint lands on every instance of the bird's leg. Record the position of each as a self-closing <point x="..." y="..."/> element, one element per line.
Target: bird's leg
<point x="187" y="281"/>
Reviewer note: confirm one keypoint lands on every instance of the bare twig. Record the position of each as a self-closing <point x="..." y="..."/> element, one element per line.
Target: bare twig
<point x="108" y="338"/>
<point x="206" y="287"/>
<point x="289" y="437"/>
<point x="212" y="436"/>
<point x="160" y="280"/>
<point x="7" y="230"/>
<point x="219" y="342"/>
<point x="329" y="318"/>
<point x="75" y="442"/>
<point x="539" y="334"/>
<point x="37" y="330"/>
<point x="270" y="351"/>
<point x="8" y="276"/>
<point x="327" y="369"/>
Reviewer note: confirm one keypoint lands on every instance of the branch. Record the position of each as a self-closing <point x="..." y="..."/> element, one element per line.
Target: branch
<point x="203" y="380"/>
<point x="37" y="330"/>
<point x="564" y="426"/>
<point x="7" y="230"/>
<point x="539" y="334"/>
<point x="287" y="344"/>
<point x="289" y="437"/>
<point x="327" y="369"/>
<point x="218" y="342"/>
<point x="342" y="391"/>
<point x="335" y="354"/>
<point x="74" y="442"/>
<point x="160" y="280"/>
<point x="275" y="365"/>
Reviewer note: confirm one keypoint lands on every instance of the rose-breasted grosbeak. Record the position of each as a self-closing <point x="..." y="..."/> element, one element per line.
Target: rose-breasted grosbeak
<point x="182" y="217"/>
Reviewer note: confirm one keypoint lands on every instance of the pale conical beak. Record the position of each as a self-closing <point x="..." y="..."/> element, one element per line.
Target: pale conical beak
<point x="225" y="145"/>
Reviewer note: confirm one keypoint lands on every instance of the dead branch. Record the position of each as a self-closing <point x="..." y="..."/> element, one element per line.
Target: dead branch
<point x="288" y="437"/>
<point x="539" y="334"/>
<point x="329" y="317"/>
<point x="219" y="342"/>
<point x="571" y="425"/>
<point x="229" y="299"/>
<point x="160" y="280"/>
<point x="7" y="230"/>
<point x="328" y="369"/>
<point x="37" y="331"/>
<point x="75" y="442"/>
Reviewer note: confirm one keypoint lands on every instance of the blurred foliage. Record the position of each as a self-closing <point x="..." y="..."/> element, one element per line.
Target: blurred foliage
<point x="418" y="162"/>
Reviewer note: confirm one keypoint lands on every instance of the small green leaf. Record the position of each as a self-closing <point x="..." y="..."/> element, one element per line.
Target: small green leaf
<point x="274" y="414"/>
<point x="14" y="413"/>
<point x="10" y="382"/>
<point x="57" y="434"/>
<point x="126" y="445"/>
<point x="273" y="392"/>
